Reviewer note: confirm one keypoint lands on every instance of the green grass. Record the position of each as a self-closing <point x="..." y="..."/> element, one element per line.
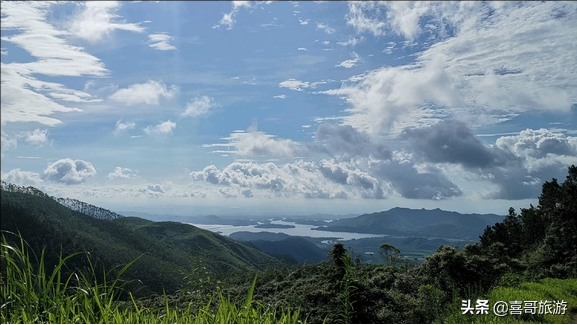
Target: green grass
<point x="546" y="289"/>
<point x="31" y="294"/>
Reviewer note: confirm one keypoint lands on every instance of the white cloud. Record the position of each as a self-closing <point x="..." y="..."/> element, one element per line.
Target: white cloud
<point x="257" y="144"/>
<point x="325" y="28"/>
<point x="147" y="93"/>
<point x="352" y="41"/>
<point x="24" y="97"/>
<point x="69" y="171"/>
<point x="330" y="179"/>
<point x="97" y="20"/>
<point x="349" y="63"/>
<point x="324" y="179"/>
<point x="8" y="143"/>
<point x="164" y="128"/>
<point x="155" y="188"/>
<point x="228" y="18"/>
<point x="161" y="42"/>
<point x="535" y="144"/>
<point x="294" y="84"/>
<point x="357" y="17"/>
<point x="123" y="126"/>
<point x="124" y="173"/>
<point x="37" y="137"/>
<point x="199" y="106"/>
<point x="304" y="22"/>
<point x="302" y="49"/>
<point x="280" y="96"/>
<point x="392" y="98"/>
<point x="23" y="178"/>
<point x="478" y="75"/>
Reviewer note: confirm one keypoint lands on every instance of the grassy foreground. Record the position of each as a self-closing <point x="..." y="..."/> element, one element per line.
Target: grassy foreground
<point x="546" y="289"/>
<point x="30" y="294"/>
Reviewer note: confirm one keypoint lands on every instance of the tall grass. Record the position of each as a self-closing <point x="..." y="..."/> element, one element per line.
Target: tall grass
<point x="30" y="294"/>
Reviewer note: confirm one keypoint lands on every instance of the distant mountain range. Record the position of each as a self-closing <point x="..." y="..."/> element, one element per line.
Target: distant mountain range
<point x="417" y="223"/>
<point x="173" y="248"/>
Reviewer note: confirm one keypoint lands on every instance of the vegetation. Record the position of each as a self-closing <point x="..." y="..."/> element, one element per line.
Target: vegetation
<point x="171" y="250"/>
<point x="531" y="255"/>
<point x="32" y="295"/>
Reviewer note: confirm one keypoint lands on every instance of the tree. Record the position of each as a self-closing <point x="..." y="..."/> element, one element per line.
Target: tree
<point x="339" y="254"/>
<point x="390" y="253"/>
<point x="558" y="208"/>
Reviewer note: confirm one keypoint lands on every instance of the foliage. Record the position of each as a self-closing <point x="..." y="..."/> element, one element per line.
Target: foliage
<point x="390" y="253"/>
<point x="171" y="250"/>
<point x="31" y="295"/>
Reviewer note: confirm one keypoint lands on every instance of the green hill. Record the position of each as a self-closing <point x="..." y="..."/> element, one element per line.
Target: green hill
<point x="170" y="250"/>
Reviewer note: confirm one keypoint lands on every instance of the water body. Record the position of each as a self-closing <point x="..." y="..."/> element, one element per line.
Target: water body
<point x="298" y="230"/>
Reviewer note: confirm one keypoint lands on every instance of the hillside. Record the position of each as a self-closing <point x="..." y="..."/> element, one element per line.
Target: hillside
<point x="417" y="223"/>
<point x="291" y="248"/>
<point x="169" y="250"/>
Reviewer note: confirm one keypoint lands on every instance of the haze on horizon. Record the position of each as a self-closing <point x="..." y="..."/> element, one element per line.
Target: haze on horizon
<point x="316" y="107"/>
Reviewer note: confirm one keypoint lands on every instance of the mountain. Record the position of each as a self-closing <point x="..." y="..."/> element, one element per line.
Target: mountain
<point x="169" y="251"/>
<point x="417" y="223"/>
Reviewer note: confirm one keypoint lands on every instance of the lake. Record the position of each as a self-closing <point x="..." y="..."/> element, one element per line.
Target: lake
<point x="298" y="230"/>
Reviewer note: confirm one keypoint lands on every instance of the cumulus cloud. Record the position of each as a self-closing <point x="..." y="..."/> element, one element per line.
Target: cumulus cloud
<point x="253" y="143"/>
<point x="368" y="178"/>
<point x="37" y="137"/>
<point x="324" y="179"/>
<point x="280" y="96"/>
<point x="155" y="188"/>
<point x="163" y="128"/>
<point x="539" y="143"/>
<point x="123" y="126"/>
<point x="8" y="142"/>
<point x="161" y="42"/>
<point x="529" y="159"/>
<point x="124" y="173"/>
<point x="69" y="171"/>
<point x="393" y="97"/>
<point x="228" y="19"/>
<point x="21" y="177"/>
<point x="199" y="106"/>
<point x="148" y="93"/>
<point x="98" y="19"/>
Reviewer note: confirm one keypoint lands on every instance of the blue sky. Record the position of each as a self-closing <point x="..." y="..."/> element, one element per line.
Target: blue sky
<point x="281" y="107"/>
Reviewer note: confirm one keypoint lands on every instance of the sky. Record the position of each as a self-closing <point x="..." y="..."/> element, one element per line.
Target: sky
<point x="286" y="107"/>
